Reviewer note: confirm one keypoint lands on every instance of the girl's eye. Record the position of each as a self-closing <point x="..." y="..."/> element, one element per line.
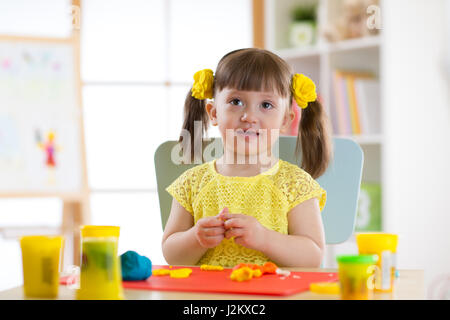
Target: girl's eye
<point x="236" y="102"/>
<point x="267" y="105"/>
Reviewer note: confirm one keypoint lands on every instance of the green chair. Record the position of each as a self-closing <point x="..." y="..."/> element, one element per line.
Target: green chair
<point x="342" y="181"/>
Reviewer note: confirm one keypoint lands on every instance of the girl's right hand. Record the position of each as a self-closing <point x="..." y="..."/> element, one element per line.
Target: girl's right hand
<point x="210" y="231"/>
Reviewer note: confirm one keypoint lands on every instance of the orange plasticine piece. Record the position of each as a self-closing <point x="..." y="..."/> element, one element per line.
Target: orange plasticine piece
<point x="270" y="267"/>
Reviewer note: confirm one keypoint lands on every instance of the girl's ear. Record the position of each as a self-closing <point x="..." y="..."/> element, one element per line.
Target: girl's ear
<point x="212" y="113"/>
<point x="288" y="119"/>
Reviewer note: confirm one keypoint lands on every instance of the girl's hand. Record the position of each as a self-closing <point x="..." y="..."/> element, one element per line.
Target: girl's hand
<point x="210" y="231"/>
<point x="246" y="230"/>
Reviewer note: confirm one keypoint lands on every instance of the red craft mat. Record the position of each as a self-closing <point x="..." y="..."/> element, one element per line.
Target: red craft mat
<point x="220" y="282"/>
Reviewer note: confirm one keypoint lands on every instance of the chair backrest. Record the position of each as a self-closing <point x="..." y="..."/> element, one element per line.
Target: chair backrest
<point x="342" y="181"/>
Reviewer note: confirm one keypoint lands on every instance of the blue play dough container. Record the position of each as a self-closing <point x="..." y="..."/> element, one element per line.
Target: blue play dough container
<point x="135" y="267"/>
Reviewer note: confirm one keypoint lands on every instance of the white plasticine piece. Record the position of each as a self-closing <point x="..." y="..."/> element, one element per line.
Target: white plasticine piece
<point x="296" y="276"/>
<point x="282" y="272"/>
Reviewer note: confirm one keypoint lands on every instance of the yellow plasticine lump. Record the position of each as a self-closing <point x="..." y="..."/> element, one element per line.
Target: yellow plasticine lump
<point x="180" y="273"/>
<point x="325" y="287"/>
<point x="160" y="272"/>
<point x="257" y="273"/>
<point x="244" y="274"/>
<point x="174" y="273"/>
<point x="205" y="267"/>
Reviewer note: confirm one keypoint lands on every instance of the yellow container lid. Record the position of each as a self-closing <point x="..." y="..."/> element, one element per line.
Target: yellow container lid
<point x="376" y="242"/>
<point x="42" y="240"/>
<point x="100" y="231"/>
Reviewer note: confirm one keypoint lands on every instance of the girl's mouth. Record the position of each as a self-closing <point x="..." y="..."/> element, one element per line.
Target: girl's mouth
<point x="247" y="132"/>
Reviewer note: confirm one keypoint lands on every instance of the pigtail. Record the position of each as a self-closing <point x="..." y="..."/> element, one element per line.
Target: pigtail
<point x="314" y="138"/>
<point x="195" y="125"/>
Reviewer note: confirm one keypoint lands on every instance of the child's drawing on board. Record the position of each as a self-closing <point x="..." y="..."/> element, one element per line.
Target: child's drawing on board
<point x="50" y="148"/>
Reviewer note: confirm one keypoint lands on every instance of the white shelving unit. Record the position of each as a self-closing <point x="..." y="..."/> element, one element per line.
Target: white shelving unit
<point x="318" y="62"/>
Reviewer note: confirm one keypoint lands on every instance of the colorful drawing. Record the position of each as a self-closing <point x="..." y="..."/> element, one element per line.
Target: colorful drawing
<point x="49" y="148"/>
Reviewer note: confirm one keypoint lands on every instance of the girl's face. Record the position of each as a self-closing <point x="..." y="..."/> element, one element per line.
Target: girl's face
<point x="249" y="121"/>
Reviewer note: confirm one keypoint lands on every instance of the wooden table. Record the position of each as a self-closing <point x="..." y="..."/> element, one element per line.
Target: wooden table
<point x="409" y="286"/>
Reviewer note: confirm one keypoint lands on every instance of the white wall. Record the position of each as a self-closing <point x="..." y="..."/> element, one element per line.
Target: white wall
<point x="417" y="130"/>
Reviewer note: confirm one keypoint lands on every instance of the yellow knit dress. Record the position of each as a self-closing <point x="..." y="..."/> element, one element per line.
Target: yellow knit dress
<point x="268" y="197"/>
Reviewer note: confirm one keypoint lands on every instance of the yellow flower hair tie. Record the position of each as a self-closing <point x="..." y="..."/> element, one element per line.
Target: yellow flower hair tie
<point x="203" y="84"/>
<point x="304" y="90"/>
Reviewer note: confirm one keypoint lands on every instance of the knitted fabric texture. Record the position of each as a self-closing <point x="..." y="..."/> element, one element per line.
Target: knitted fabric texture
<point x="268" y="197"/>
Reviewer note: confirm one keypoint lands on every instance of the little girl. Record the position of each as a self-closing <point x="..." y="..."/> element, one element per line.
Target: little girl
<point x="248" y="206"/>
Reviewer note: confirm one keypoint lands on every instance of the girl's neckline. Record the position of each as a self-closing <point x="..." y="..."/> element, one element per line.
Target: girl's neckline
<point x="270" y="171"/>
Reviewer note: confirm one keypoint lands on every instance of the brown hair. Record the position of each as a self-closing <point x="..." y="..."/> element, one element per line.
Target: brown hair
<point x="255" y="69"/>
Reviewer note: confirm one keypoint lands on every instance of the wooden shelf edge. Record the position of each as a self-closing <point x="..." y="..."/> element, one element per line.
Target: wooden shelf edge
<point x="297" y="53"/>
<point x="329" y="47"/>
<point x="354" y="44"/>
<point x="364" y="139"/>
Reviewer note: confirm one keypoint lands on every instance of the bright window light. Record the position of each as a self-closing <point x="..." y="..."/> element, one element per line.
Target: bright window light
<point x="124" y="125"/>
<point x="203" y="31"/>
<point x="123" y="40"/>
<point x="43" y="18"/>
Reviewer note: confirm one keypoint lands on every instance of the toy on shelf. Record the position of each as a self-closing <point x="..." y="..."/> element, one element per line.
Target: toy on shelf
<point x="352" y="22"/>
<point x="303" y="26"/>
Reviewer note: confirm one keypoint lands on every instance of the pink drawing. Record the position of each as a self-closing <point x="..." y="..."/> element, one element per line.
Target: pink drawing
<point x="6" y="64"/>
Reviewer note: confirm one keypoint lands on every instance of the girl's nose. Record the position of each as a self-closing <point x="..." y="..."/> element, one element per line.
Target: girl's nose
<point x="248" y="117"/>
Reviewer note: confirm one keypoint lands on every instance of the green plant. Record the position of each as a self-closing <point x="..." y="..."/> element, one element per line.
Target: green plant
<point x="305" y="12"/>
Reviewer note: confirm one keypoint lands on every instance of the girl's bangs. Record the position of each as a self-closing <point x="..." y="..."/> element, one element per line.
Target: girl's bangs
<point x="254" y="72"/>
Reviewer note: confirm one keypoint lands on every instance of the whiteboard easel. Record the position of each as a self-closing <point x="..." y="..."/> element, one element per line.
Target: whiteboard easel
<point x="40" y="90"/>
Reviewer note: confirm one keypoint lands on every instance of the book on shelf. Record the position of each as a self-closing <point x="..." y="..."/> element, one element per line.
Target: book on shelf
<point x="368" y="217"/>
<point x="357" y="103"/>
<point x="341" y="117"/>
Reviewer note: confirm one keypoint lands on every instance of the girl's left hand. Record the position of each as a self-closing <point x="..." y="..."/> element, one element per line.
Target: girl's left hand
<point x="246" y="230"/>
